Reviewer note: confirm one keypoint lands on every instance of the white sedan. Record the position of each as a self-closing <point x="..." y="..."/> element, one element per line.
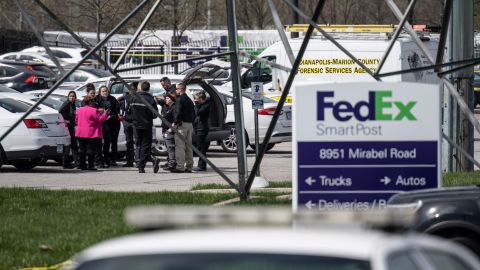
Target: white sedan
<point x="316" y="247"/>
<point x="41" y="135"/>
<point x="281" y="133"/>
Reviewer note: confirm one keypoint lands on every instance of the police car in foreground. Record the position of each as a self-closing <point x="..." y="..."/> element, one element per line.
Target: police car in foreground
<point x="273" y="247"/>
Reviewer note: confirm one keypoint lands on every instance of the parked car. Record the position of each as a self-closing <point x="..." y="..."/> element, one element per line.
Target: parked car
<point x="281" y="133"/>
<point x="452" y="213"/>
<point x="30" y="57"/>
<point x="321" y="247"/>
<point x="66" y="55"/>
<point x="40" y="135"/>
<point x="82" y="75"/>
<point x="25" y="76"/>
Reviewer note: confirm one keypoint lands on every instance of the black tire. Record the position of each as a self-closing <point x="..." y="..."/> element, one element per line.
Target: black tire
<point x="269" y="146"/>
<point x="26" y="164"/>
<point x="229" y="144"/>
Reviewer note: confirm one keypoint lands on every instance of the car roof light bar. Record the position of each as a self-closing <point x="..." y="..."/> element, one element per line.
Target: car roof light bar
<point x="161" y="217"/>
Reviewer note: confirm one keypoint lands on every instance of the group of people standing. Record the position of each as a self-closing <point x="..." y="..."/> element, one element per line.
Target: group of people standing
<point x="94" y="127"/>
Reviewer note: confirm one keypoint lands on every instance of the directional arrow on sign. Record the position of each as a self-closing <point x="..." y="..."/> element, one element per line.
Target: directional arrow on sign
<point x="310" y="204"/>
<point x="385" y="180"/>
<point x="310" y="180"/>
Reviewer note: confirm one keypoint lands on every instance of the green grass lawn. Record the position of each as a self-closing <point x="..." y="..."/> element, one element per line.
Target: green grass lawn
<point x="45" y="227"/>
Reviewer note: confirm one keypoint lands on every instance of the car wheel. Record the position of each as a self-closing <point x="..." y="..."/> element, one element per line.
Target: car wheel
<point x="269" y="146"/>
<point x="229" y="144"/>
<point x="159" y="149"/>
<point x="26" y="164"/>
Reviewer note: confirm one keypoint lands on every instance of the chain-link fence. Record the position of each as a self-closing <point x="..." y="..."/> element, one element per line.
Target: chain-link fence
<point x="150" y="51"/>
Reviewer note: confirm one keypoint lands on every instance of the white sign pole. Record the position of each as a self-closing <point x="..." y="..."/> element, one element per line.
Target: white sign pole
<point x="257" y="103"/>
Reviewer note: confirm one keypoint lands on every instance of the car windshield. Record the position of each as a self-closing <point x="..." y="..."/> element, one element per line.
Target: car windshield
<point x="226" y="261"/>
<point x="207" y="72"/>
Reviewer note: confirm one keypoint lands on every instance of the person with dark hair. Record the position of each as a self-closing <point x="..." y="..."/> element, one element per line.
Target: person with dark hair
<point x="182" y="125"/>
<point x="90" y="92"/>
<point x="68" y="111"/>
<point x="143" y="123"/>
<point x="169" y="89"/>
<point x="167" y="85"/>
<point x="200" y="127"/>
<point x="111" y="127"/>
<point x="128" y="128"/>
<point x="89" y="129"/>
<point x="168" y="135"/>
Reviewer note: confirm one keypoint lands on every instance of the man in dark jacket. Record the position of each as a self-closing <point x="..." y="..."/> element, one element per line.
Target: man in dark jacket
<point x="128" y="128"/>
<point x="200" y="127"/>
<point x="111" y="127"/>
<point x="143" y="123"/>
<point x="182" y="123"/>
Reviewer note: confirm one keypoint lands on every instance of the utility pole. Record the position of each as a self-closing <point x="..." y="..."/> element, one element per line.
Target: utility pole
<point x="237" y="98"/>
<point x="461" y="47"/>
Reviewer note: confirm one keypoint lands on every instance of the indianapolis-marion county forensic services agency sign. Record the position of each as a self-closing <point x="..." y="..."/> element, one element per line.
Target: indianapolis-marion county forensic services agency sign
<point x="357" y="144"/>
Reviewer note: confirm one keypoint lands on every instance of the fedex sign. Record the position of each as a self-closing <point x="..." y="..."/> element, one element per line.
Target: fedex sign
<point x="379" y="106"/>
<point x="356" y="144"/>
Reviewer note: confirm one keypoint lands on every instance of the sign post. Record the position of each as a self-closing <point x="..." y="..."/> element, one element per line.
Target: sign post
<point x="257" y="103"/>
<point x="357" y="144"/>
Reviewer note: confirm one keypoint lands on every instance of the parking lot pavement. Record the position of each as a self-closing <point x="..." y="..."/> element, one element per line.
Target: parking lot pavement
<point x="276" y="166"/>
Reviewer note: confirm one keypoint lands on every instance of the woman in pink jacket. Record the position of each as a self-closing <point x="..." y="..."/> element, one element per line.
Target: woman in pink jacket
<point x="89" y="128"/>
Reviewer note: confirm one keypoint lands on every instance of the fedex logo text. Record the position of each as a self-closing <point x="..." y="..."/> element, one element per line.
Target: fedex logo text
<point x="378" y="107"/>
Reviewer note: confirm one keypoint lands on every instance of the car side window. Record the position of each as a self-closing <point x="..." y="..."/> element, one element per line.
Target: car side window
<point x="61" y="54"/>
<point x="78" y="76"/>
<point x="26" y="57"/>
<point x="118" y="89"/>
<point x="441" y="260"/>
<point x="10" y="72"/>
<point x="401" y="260"/>
<point x="3" y="72"/>
<point x="156" y="88"/>
<point x="228" y="99"/>
<point x="260" y="72"/>
<point x="10" y="57"/>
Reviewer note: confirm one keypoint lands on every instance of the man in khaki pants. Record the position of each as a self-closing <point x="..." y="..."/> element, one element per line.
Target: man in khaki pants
<point x="182" y="122"/>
